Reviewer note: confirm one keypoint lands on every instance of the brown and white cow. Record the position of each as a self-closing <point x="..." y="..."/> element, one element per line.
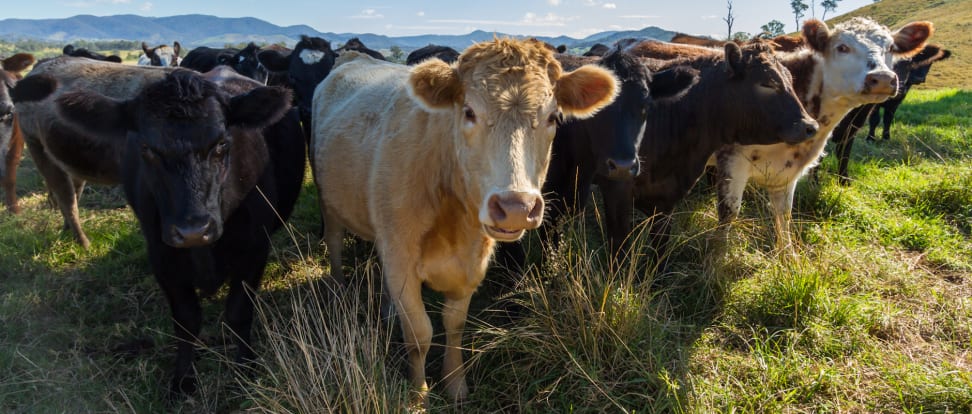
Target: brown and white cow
<point x="438" y="162"/>
<point x="161" y="55"/>
<point x="838" y="70"/>
<point x="11" y="140"/>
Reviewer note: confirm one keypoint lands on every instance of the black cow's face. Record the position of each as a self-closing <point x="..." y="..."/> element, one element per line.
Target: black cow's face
<point x="309" y="63"/>
<point x="182" y="135"/>
<point x="7" y="82"/>
<point x="245" y="63"/>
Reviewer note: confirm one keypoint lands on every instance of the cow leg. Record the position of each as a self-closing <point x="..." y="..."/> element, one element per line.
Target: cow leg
<point x="239" y="303"/>
<point x="62" y="187"/>
<point x="781" y="203"/>
<point x="732" y="184"/>
<point x="174" y="273"/>
<point x="453" y="371"/>
<point x="873" y="121"/>
<point x="405" y="291"/>
<point x="334" y="240"/>
<point x="9" y="181"/>
<point x="889" y="111"/>
<point x="618" y="209"/>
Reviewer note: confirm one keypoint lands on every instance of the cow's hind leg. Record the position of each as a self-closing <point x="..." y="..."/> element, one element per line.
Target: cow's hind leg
<point x="334" y="241"/>
<point x="9" y="181"/>
<point x="453" y="371"/>
<point x="62" y="187"/>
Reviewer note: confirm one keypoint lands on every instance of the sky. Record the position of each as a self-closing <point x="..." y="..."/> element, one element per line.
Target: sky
<point x="575" y="18"/>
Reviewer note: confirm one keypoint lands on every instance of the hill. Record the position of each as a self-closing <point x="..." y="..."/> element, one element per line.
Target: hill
<point x="202" y="30"/>
<point x="953" y="30"/>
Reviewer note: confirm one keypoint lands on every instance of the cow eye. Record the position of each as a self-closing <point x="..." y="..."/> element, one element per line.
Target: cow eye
<point x="7" y="118"/>
<point x="843" y="48"/>
<point x="554" y="118"/>
<point x="469" y="114"/>
<point x="221" y="148"/>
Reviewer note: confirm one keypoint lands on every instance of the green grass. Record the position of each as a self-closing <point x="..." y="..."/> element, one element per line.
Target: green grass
<point x="872" y="312"/>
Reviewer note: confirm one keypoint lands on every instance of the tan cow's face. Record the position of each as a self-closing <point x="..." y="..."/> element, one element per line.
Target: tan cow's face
<point x="859" y="55"/>
<point x="506" y="97"/>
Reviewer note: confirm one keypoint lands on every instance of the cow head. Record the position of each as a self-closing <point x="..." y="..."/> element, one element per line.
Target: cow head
<point x="615" y="132"/>
<point x="245" y="63"/>
<point x="183" y="134"/>
<point x="306" y="66"/>
<point x="505" y="98"/>
<point x="761" y="95"/>
<point x="920" y="64"/>
<point x="160" y="55"/>
<point x="858" y="55"/>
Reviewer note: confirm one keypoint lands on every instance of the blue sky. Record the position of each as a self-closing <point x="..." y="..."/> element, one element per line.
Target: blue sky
<point x="576" y="18"/>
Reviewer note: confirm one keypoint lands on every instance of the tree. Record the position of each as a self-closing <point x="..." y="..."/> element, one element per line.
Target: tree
<point x="741" y="36"/>
<point x="799" y="10"/>
<point x="729" y="19"/>
<point x="397" y="55"/>
<point x="773" y="28"/>
<point x="828" y="5"/>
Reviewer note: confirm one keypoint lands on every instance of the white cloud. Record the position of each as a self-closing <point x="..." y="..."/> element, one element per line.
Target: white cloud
<point x="368" y="14"/>
<point x="553" y="2"/>
<point x="529" y="19"/>
<point x="710" y="17"/>
<point x="92" y="3"/>
<point x="639" y="16"/>
<point x="610" y="6"/>
<point x="420" y="14"/>
<point x="147" y="6"/>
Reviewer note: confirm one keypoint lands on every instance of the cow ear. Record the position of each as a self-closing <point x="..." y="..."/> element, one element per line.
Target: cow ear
<point x="113" y="58"/>
<point x="584" y="91"/>
<point x="95" y="113"/>
<point x="435" y="85"/>
<point x="68" y="50"/>
<point x="734" y="61"/>
<point x="145" y="49"/>
<point x="33" y="88"/>
<point x="911" y="38"/>
<point x="17" y="63"/>
<point x="673" y="82"/>
<point x="177" y="48"/>
<point x="817" y="34"/>
<point x="259" y="108"/>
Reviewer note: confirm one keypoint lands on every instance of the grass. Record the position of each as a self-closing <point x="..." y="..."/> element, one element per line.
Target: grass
<point x="873" y="312"/>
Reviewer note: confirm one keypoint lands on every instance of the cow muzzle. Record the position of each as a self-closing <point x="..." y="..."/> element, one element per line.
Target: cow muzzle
<point x="511" y="213"/>
<point x="192" y="233"/>
<point x="622" y="169"/>
<point x="880" y="84"/>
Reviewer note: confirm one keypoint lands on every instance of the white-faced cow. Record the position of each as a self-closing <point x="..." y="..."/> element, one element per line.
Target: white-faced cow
<point x="162" y="55"/>
<point x="437" y="162"/>
<point x="63" y="155"/>
<point x="244" y="62"/>
<point x="744" y="96"/>
<point x="11" y="140"/>
<point x="837" y="71"/>
<point x="910" y="72"/>
<point x="306" y="66"/>
<point x="210" y="170"/>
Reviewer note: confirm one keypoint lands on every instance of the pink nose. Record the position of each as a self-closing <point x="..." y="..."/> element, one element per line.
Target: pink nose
<point x="881" y="83"/>
<point x="513" y="210"/>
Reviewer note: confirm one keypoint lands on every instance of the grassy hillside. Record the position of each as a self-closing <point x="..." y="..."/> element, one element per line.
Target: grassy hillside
<point x="953" y="24"/>
<point x="872" y="311"/>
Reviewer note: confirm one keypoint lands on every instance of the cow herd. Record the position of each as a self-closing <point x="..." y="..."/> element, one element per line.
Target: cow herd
<point x="438" y="160"/>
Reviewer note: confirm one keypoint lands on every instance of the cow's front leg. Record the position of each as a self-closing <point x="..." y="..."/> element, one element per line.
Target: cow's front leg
<point x="781" y="203"/>
<point x="405" y="291"/>
<point x="453" y="371"/>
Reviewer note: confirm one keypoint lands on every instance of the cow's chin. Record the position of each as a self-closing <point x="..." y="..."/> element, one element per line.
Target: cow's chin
<point x="503" y="235"/>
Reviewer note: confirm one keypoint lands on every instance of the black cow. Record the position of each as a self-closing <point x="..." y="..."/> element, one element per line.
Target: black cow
<point x="444" y="53"/>
<point x="207" y="169"/>
<point x="605" y="146"/>
<point x="11" y="140"/>
<point x="70" y="50"/>
<point x="910" y="72"/>
<point x="355" y="44"/>
<point x="744" y="96"/>
<point x="306" y="66"/>
<point x="244" y="62"/>
<point x="599" y="49"/>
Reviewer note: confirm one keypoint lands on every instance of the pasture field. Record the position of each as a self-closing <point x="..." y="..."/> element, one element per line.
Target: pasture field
<point x="871" y="312"/>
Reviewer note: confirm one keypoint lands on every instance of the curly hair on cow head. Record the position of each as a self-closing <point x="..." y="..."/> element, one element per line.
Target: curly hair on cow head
<point x="625" y="66"/>
<point x="182" y="94"/>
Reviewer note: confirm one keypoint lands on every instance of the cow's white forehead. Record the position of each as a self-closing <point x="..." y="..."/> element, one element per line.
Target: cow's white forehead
<point x="310" y="56"/>
<point x="865" y="31"/>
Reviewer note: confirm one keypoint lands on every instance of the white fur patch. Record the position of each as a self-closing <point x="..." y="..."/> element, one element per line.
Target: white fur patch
<point x="311" y="57"/>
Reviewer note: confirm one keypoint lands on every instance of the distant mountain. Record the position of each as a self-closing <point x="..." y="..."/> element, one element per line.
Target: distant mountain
<point x="193" y="30"/>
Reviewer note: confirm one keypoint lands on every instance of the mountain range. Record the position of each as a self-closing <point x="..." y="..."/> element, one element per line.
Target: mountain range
<point x="202" y="30"/>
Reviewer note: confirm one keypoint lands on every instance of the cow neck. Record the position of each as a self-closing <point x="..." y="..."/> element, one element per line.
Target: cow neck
<point x="249" y="157"/>
<point x="806" y="68"/>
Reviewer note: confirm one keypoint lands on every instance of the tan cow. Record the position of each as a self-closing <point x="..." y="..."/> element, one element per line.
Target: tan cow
<point x="436" y="163"/>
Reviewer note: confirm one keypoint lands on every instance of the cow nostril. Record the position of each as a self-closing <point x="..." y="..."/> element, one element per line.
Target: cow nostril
<point x="611" y="165"/>
<point x="811" y="130"/>
<point x="496" y="211"/>
<point x="536" y="213"/>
